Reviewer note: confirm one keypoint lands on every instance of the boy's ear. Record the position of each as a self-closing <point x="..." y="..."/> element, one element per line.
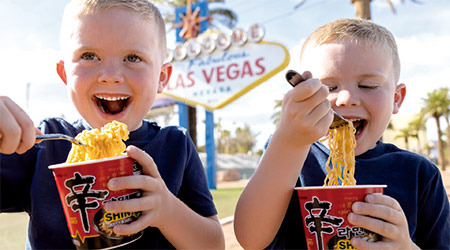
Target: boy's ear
<point x="399" y="96"/>
<point x="61" y="71"/>
<point x="164" y="76"/>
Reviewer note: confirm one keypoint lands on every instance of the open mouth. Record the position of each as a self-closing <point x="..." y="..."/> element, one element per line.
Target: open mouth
<point x="359" y="125"/>
<point x="112" y="105"/>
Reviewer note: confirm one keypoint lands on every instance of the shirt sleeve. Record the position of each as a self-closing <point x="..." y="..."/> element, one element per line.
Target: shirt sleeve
<point x="16" y="172"/>
<point x="433" y="229"/>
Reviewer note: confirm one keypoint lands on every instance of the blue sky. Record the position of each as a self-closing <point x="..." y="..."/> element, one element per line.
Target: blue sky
<point x="29" y="44"/>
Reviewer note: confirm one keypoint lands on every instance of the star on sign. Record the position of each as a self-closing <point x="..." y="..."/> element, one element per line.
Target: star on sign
<point x="190" y="22"/>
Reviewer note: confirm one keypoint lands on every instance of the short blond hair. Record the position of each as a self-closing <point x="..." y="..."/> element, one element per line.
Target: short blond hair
<point x="77" y="8"/>
<point x="359" y="31"/>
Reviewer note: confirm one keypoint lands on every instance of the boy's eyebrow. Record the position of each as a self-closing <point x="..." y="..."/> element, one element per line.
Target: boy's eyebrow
<point x="84" y="48"/>
<point x="137" y="51"/>
<point x="374" y="75"/>
<point x="129" y="51"/>
<point x="362" y="76"/>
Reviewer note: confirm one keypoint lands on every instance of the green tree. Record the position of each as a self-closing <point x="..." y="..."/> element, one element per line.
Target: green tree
<point x="446" y="114"/>
<point x="223" y="138"/>
<point x="276" y="117"/>
<point x="244" y="140"/>
<point x="405" y="134"/>
<point x="417" y="125"/>
<point x="436" y="105"/>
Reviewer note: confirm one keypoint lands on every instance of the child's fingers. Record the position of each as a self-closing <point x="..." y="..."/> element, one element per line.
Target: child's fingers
<point x="146" y="161"/>
<point x="381" y="214"/>
<point x="148" y="202"/>
<point x="380" y="206"/>
<point x="377" y="198"/>
<point x="306" y="75"/>
<point x="321" y="109"/>
<point x="304" y="90"/>
<point x="38" y="132"/>
<point x="133" y="227"/>
<point x="362" y="244"/>
<point x="315" y="105"/>
<point x="143" y="182"/>
<point x="9" y="132"/>
<point x="16" y="128"/>
<point x="375" y="225"/>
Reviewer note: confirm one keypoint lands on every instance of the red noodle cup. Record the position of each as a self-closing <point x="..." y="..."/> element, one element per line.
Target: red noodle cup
<point x="324" y="212"/>
<point x="83" y="190"/>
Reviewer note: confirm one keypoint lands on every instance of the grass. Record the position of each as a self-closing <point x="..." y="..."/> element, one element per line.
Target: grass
<point x="13" y="226"/>
<point x="225" y="200"/>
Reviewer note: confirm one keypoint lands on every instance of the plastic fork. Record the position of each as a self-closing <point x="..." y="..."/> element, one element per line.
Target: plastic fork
<point x="46" y="137"/>
<point x="294" y="78"/>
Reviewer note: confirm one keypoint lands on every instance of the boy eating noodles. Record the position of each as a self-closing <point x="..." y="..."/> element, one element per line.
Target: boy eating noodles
<point x="113" y="55"/>
<point x="356" y="68"/>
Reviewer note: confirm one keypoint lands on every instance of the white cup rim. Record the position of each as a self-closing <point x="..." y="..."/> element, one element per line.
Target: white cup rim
<point x="64" y="165"/>
<point x="340" y="187"/>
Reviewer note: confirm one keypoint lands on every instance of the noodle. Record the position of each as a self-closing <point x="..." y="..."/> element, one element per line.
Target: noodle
<point x="342" y="143"/>
<point x="107" y="142"/>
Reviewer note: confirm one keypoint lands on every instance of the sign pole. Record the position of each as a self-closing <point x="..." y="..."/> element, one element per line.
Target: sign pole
<point x="210" y="150"/>
<point x="183" y="115"/>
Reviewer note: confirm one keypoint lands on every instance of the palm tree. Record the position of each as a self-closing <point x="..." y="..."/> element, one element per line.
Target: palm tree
<point x="405" y="133"/>
<point x="417" y="125"/>
<point x="276" y="117"/>
<point x="446" y="111"/>
<point x="362" y="7"/>
<point x="436" y="105"/>
<point x="225" y="16"/>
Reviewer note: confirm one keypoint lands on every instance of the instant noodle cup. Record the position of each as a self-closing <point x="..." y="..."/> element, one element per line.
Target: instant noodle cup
<point x="83" y="190"/>
<point x="324" y="212"/>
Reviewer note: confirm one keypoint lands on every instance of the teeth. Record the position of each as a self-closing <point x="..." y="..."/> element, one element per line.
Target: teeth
<point x="354" y="120"/>
<point x="113" y="98"/>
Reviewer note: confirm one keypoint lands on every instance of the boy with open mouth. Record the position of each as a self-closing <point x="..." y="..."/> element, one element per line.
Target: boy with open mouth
<point x="112" y="62"/>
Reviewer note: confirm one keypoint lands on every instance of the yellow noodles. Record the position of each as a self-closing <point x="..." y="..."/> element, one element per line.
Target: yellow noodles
<point x="342" y="143"/>
<point x="100" y="144"/>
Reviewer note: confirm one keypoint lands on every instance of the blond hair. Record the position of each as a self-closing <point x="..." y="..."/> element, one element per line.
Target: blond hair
<point x="359" y="31"/>
<point x="77" y="8"/>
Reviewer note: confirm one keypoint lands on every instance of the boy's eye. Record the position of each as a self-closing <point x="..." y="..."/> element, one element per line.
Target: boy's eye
<point x="132" y="58"/>
<point x="367" y="87"/>
<point x="331" y="88"/>
<point x="89" y="56"/>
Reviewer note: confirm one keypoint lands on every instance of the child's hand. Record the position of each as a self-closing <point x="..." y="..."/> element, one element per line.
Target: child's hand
<point x="155" y="203"/>
<point x="306" y="113"/>
<point x="383" y="215"/>
<point x="17" y="131"/>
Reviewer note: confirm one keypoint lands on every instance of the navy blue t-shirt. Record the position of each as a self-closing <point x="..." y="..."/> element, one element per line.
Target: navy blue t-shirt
<point x="411" y="179"/>
<point x="28" y="185"/>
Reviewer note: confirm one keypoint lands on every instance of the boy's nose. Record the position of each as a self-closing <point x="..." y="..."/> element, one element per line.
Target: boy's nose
<point x="347" y="98"/>
<point x="111" y="74"/>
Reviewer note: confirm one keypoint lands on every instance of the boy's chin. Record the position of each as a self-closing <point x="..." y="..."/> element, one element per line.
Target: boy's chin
<point x="361" y="148"/>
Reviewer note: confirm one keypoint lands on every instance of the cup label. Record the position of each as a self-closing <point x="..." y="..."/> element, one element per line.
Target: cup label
<point x="83" y="192"/>
<point x="324" y="213"/>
